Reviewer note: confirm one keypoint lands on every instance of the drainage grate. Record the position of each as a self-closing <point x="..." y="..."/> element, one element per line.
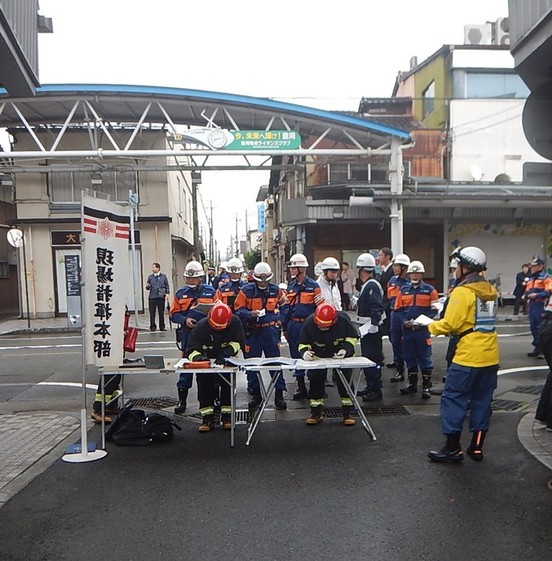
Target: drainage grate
<point x="155" y="403"/>
<point x="507" y="405"/>
<point x="388" y="410"/>
<point x="242" y="416"/>
<point x="533" y="390"/>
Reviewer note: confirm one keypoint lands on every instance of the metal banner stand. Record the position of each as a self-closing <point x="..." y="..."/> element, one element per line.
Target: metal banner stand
<point x="84" y="455"/>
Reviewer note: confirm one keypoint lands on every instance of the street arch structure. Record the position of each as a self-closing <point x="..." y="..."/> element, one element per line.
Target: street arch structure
<point x="104" y="108"/>
<point x="69" y="130"/>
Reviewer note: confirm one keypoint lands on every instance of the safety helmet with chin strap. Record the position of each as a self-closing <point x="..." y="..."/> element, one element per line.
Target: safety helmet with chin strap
<point x="471" y="257"/>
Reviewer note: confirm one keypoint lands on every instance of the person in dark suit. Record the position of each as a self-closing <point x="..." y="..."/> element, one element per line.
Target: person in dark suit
<point x="158" y="287"/>
<point x="521" y="282"/>
<point x="385" y="258"/>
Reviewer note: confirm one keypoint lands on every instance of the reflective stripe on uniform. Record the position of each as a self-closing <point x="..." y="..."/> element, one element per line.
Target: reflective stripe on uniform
<point x="346" y="402"/>
<point x="226" y="409"/>
<point x="316" y="402"/>
<point x="207" y="411"/>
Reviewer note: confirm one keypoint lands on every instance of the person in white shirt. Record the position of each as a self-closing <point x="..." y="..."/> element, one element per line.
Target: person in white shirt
<point x="328" y="282"/>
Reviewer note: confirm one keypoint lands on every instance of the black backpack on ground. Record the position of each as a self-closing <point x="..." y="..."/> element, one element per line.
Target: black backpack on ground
<point x="133" y="427"/>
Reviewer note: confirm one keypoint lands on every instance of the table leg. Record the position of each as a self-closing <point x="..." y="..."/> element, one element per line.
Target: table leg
<point x="352" y="395"/>
<point x="266" y="394"/>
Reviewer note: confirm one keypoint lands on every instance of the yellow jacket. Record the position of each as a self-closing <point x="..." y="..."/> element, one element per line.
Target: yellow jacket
<point x="477" y="348"/>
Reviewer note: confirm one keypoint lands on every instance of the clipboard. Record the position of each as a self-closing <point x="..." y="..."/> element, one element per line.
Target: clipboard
<point x="204" y="308"/>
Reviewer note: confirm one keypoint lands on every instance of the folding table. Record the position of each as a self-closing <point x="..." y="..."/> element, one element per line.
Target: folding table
<point x="338" y="364"/>
<point x="172" y="366"/>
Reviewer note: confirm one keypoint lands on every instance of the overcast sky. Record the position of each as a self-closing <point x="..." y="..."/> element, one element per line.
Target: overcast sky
<point x="309" y="52"/>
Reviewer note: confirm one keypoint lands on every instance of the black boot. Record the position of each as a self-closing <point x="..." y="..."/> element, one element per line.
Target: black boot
<point x="399" y="376"/>
<point x="316" y="415"/>
<point x="207" y="423"/>
<point x="426" y="385"/>
<point x="347" y="418"/>
<point x="301" y="392"/>
<point x="475" y="449"/>
<point x="182" y="397"/>
<point x="450" y="452"/>
<point x="412" y="386"/>
<point x="255" y="401"/>
<point x="279" y="401"/>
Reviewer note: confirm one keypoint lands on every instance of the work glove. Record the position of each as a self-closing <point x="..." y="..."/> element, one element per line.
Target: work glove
<point x="408" y="324"/>
<point x="373" y="329"/>
<point x="340" y="354"/>
<point x="221" y="359"/>
<point x="199" y="358"/>
<point x="309" y="355"/>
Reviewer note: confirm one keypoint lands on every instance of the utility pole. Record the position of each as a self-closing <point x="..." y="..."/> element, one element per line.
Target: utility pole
<point x="237" y="254"/>
<point x="211" y="244"/>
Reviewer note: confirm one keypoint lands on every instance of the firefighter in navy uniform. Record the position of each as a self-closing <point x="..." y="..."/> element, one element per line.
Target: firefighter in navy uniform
<point x="472" y="375"/>
<point x="537" y="291"/>
<point x="228" y="292"/>
<point x="218" y="336"/>
<point x="327" y="334"/>
<point x="413" y="300"/>
<point x="259" y="305"/>
<point x="303" y="295"/>
<point x="370" y="307"/>
<point x="184" y="313"/>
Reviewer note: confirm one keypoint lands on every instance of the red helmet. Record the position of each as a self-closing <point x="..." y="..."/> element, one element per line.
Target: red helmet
<point x="219" y="316"/>
<point x="325" y="315"/>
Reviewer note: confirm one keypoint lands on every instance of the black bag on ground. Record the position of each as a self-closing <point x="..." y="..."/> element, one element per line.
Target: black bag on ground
<point x="133" y="427"/>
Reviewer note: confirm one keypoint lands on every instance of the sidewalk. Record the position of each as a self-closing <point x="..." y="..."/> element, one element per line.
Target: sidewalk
<point x="31" y="441"/>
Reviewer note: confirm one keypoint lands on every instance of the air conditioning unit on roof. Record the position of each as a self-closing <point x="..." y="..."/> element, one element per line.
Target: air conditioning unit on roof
<point x="478" y="34"/>
<point x="501" y="32"/>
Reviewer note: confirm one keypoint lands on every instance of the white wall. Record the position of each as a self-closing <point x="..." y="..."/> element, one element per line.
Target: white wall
<point x="488" y="133"/>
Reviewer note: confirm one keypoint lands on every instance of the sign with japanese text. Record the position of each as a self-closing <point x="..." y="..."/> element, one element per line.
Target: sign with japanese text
<point x="261" y="217"/>
<point x="219" y="139"/>
<point x="105" y="234"/>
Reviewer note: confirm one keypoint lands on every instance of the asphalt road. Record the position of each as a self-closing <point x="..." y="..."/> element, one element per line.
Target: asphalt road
<point x="325" y="492"/>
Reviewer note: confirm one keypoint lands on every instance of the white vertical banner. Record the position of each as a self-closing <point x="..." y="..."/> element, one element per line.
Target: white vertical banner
<point x="105" y="236"/>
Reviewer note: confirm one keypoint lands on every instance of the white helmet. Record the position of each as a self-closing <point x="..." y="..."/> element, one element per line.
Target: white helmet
<point x="234" y="265"/>
<point x="366" y="261"/>
<point x="416" y="267"/>
<point x="298" y="260"/>
<point x="471" y="257"/>
<point x="223" y="265"/>
<point x="262" y="272"/>
<point x="194" y="269"/>
<point x="401" y="259"/>
<point x="330" y="263"/>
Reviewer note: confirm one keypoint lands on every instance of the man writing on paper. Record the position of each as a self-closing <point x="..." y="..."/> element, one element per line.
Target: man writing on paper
<point x="218" y="336"/>
<point x="187" y="310"/>
<point x="327" y="334"/>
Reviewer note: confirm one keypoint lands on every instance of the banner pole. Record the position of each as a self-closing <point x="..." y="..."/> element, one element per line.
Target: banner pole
<point x="133" y="199"/>
<point x="83" y="455"/>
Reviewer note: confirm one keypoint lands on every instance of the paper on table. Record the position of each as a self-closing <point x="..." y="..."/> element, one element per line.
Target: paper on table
<point x="423" y="320"/>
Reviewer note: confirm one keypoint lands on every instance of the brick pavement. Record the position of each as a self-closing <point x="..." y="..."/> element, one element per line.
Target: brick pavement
<point x="25" y="438"/>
